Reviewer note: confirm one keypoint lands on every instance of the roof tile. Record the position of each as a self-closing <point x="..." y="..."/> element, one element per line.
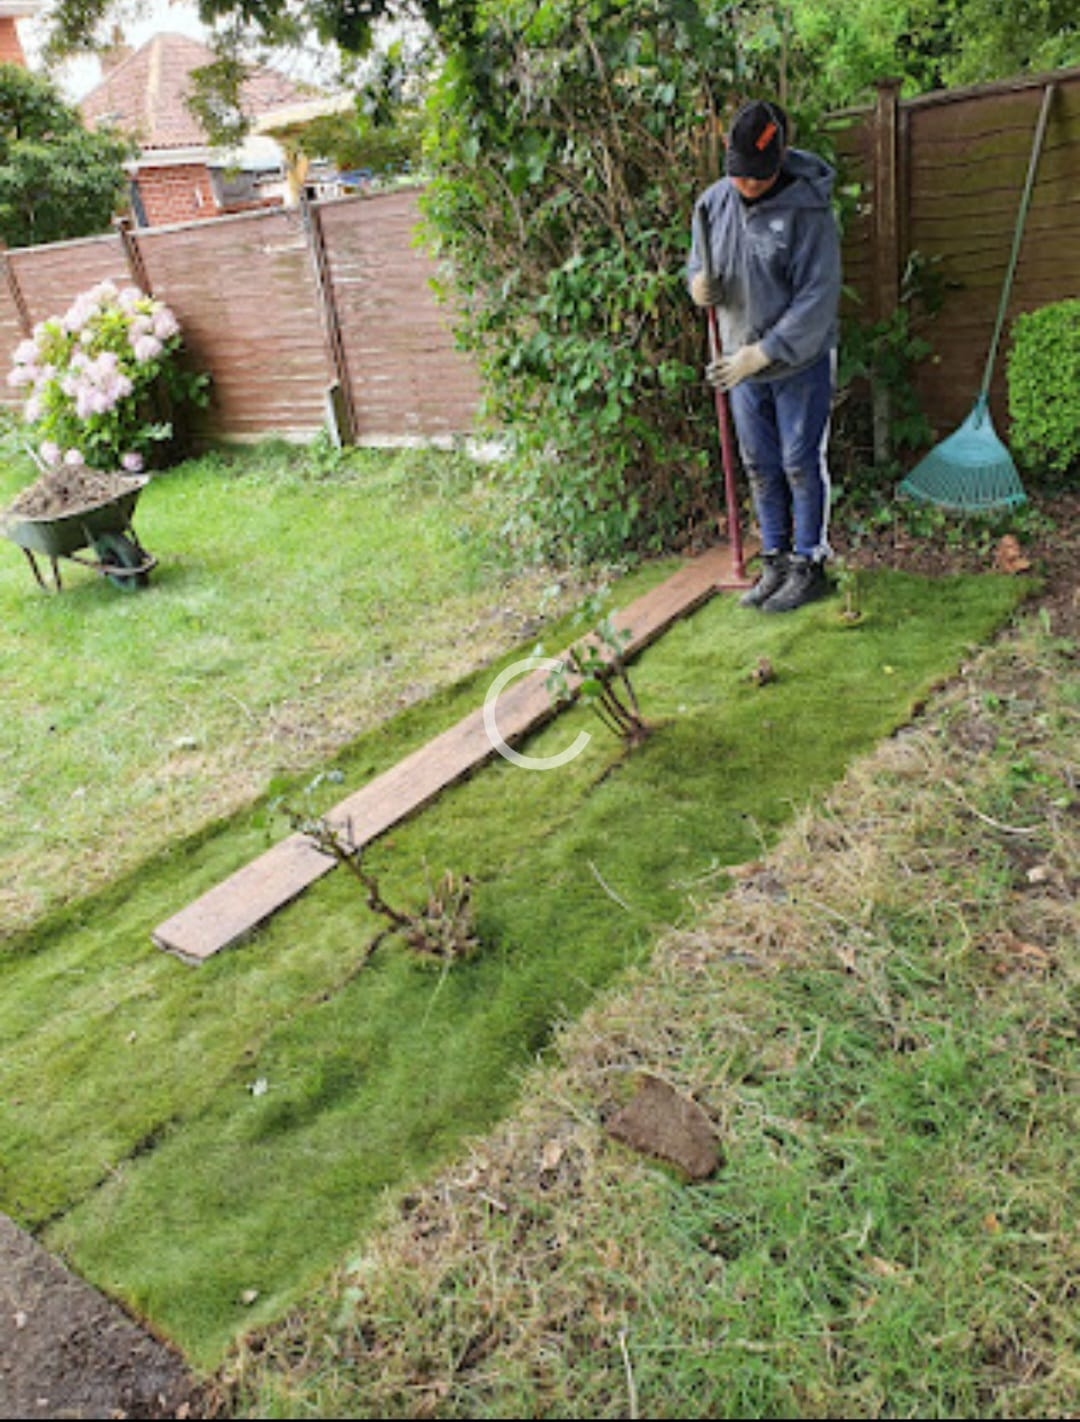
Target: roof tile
<point x="145" y="95"/>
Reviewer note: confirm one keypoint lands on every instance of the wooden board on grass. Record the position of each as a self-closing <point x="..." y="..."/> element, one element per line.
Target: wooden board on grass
<point x="227" y="913"/>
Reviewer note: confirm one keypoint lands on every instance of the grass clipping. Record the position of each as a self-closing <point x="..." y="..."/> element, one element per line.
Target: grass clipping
<point x="879" y="1020"/>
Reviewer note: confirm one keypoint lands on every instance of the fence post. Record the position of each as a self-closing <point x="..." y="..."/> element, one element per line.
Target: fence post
<point x="18" y="300"/>
<point x="340" y="400"/>
<point x="132" y="253"/>
<point x="887" y="257"/>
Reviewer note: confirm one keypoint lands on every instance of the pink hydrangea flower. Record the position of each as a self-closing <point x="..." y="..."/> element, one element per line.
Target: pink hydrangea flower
<point x="147" y="348"/>
<point x="165" y="324"/>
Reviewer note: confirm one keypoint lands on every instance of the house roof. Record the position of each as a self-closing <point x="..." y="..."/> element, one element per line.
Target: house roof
<point x="145" y="94"/>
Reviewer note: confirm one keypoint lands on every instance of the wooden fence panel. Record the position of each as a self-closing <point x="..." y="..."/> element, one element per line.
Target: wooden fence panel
<point x="852" y="135"/>
<point x="14" y="325"/>
<point x="405" y="376"/>
<point x="46" y="281"/>
<point x="243" y="291"/>
<point x="963" y="157"/>
<point x="51" y="277"/>
<point x="969" y="160"/>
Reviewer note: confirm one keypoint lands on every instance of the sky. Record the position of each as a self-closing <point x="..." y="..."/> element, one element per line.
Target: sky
<point x="79" y="76"/>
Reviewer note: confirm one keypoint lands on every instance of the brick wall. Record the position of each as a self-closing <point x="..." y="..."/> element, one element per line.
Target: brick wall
<point x="177" y="192"/>
<point x="11" y="50"/>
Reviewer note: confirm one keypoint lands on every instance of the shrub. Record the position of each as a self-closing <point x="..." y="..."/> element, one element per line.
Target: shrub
<point x="105" y="379"/>
<point x="1044" y="387"/>
<point x="568" y="142"/>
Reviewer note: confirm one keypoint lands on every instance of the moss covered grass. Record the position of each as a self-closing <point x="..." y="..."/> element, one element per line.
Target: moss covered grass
<point x="205" y="1143"/>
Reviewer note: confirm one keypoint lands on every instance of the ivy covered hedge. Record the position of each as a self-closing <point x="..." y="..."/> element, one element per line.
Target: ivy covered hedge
<point x="568" y="142"/>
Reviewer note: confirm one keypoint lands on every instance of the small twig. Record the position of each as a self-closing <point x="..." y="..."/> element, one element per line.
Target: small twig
<point x="631" y="1386"/>
<point x="246" y="709"/>
<point x="35" y="456"/>
<point x="609" y="890"/>
<point x="988" y="819"/>
<point x="620" y="668"/>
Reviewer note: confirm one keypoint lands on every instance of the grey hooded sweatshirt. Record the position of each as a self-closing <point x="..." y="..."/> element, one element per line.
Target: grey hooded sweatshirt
<point x="779" y="261"/>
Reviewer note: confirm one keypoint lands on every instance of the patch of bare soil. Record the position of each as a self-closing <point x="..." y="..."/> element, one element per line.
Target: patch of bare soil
<point x="66" y="1351"/>
<point x="1052" y="555"/>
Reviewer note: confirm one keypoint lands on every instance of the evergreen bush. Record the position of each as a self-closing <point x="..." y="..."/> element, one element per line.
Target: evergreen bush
<point x="1043" y="372"/>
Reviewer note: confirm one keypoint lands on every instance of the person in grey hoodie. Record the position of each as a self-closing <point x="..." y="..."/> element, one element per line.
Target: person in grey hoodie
<point x="774" y="279"/>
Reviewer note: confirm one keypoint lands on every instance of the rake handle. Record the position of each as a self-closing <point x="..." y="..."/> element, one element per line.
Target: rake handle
<point x="723" y="414"/>
<point x="1021" y="218"/>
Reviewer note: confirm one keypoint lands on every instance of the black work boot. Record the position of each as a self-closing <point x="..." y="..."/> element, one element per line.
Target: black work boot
<point x="805" y="582"/>
<point x="774" y="569"/>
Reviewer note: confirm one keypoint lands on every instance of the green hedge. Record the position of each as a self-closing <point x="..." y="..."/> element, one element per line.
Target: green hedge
<point x="1044" y="388"/>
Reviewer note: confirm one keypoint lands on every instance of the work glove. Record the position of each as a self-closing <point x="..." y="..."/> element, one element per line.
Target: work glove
<point x="705" y="290"/>
<point x="729" y="370"/>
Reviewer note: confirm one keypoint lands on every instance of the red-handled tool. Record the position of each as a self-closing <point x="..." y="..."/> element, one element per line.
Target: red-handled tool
<point x="723" y="414"/>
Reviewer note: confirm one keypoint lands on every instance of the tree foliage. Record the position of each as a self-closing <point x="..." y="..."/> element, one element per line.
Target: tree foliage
<point x="841" y="51"/>
<point x="384" y="130"/>
<point x="561" y="198"/>
<point x="56" y="180"/>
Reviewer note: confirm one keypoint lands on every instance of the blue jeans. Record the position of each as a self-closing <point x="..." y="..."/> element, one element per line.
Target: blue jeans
<point x="783" y="427"/>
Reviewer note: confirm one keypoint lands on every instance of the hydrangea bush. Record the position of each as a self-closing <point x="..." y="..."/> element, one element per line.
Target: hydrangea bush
<point x="104" y="381"/>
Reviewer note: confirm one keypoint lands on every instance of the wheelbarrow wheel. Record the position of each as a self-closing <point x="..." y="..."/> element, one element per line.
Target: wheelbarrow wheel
<point x="116" y="550"/>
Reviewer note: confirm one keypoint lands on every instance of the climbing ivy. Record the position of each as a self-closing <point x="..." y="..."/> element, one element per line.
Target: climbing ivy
<point x="568" y="143"/>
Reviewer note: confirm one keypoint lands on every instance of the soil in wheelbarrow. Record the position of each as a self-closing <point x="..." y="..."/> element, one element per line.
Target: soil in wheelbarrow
<point x="67" y="489"/>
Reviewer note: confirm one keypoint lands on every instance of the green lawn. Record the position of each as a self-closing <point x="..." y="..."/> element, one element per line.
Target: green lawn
<point x="206" y="1142"/>
<point x="290" y="611"/>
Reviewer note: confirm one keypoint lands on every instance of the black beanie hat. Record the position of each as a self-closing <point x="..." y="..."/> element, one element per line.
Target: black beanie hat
<point x="755" y="140"/>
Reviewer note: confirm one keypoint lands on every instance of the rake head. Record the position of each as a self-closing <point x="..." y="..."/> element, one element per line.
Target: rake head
<point x="969" y="472"/>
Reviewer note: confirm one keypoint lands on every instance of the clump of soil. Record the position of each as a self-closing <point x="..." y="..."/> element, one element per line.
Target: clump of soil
<point x="69" y="489"/>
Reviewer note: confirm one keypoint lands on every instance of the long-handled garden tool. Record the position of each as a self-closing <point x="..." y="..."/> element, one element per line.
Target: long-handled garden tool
<point x="723" y="415"/>
<point x="972" y="471"/>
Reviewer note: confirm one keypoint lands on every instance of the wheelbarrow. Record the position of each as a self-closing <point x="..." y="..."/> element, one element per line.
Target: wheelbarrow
<point x="104" y="527"/>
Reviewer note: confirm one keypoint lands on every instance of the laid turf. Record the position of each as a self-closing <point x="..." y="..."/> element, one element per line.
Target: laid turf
<point x="205" y="1142"/>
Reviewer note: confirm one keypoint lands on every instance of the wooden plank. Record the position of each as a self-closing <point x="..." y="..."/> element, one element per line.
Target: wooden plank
<point x="231" y="910"/>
